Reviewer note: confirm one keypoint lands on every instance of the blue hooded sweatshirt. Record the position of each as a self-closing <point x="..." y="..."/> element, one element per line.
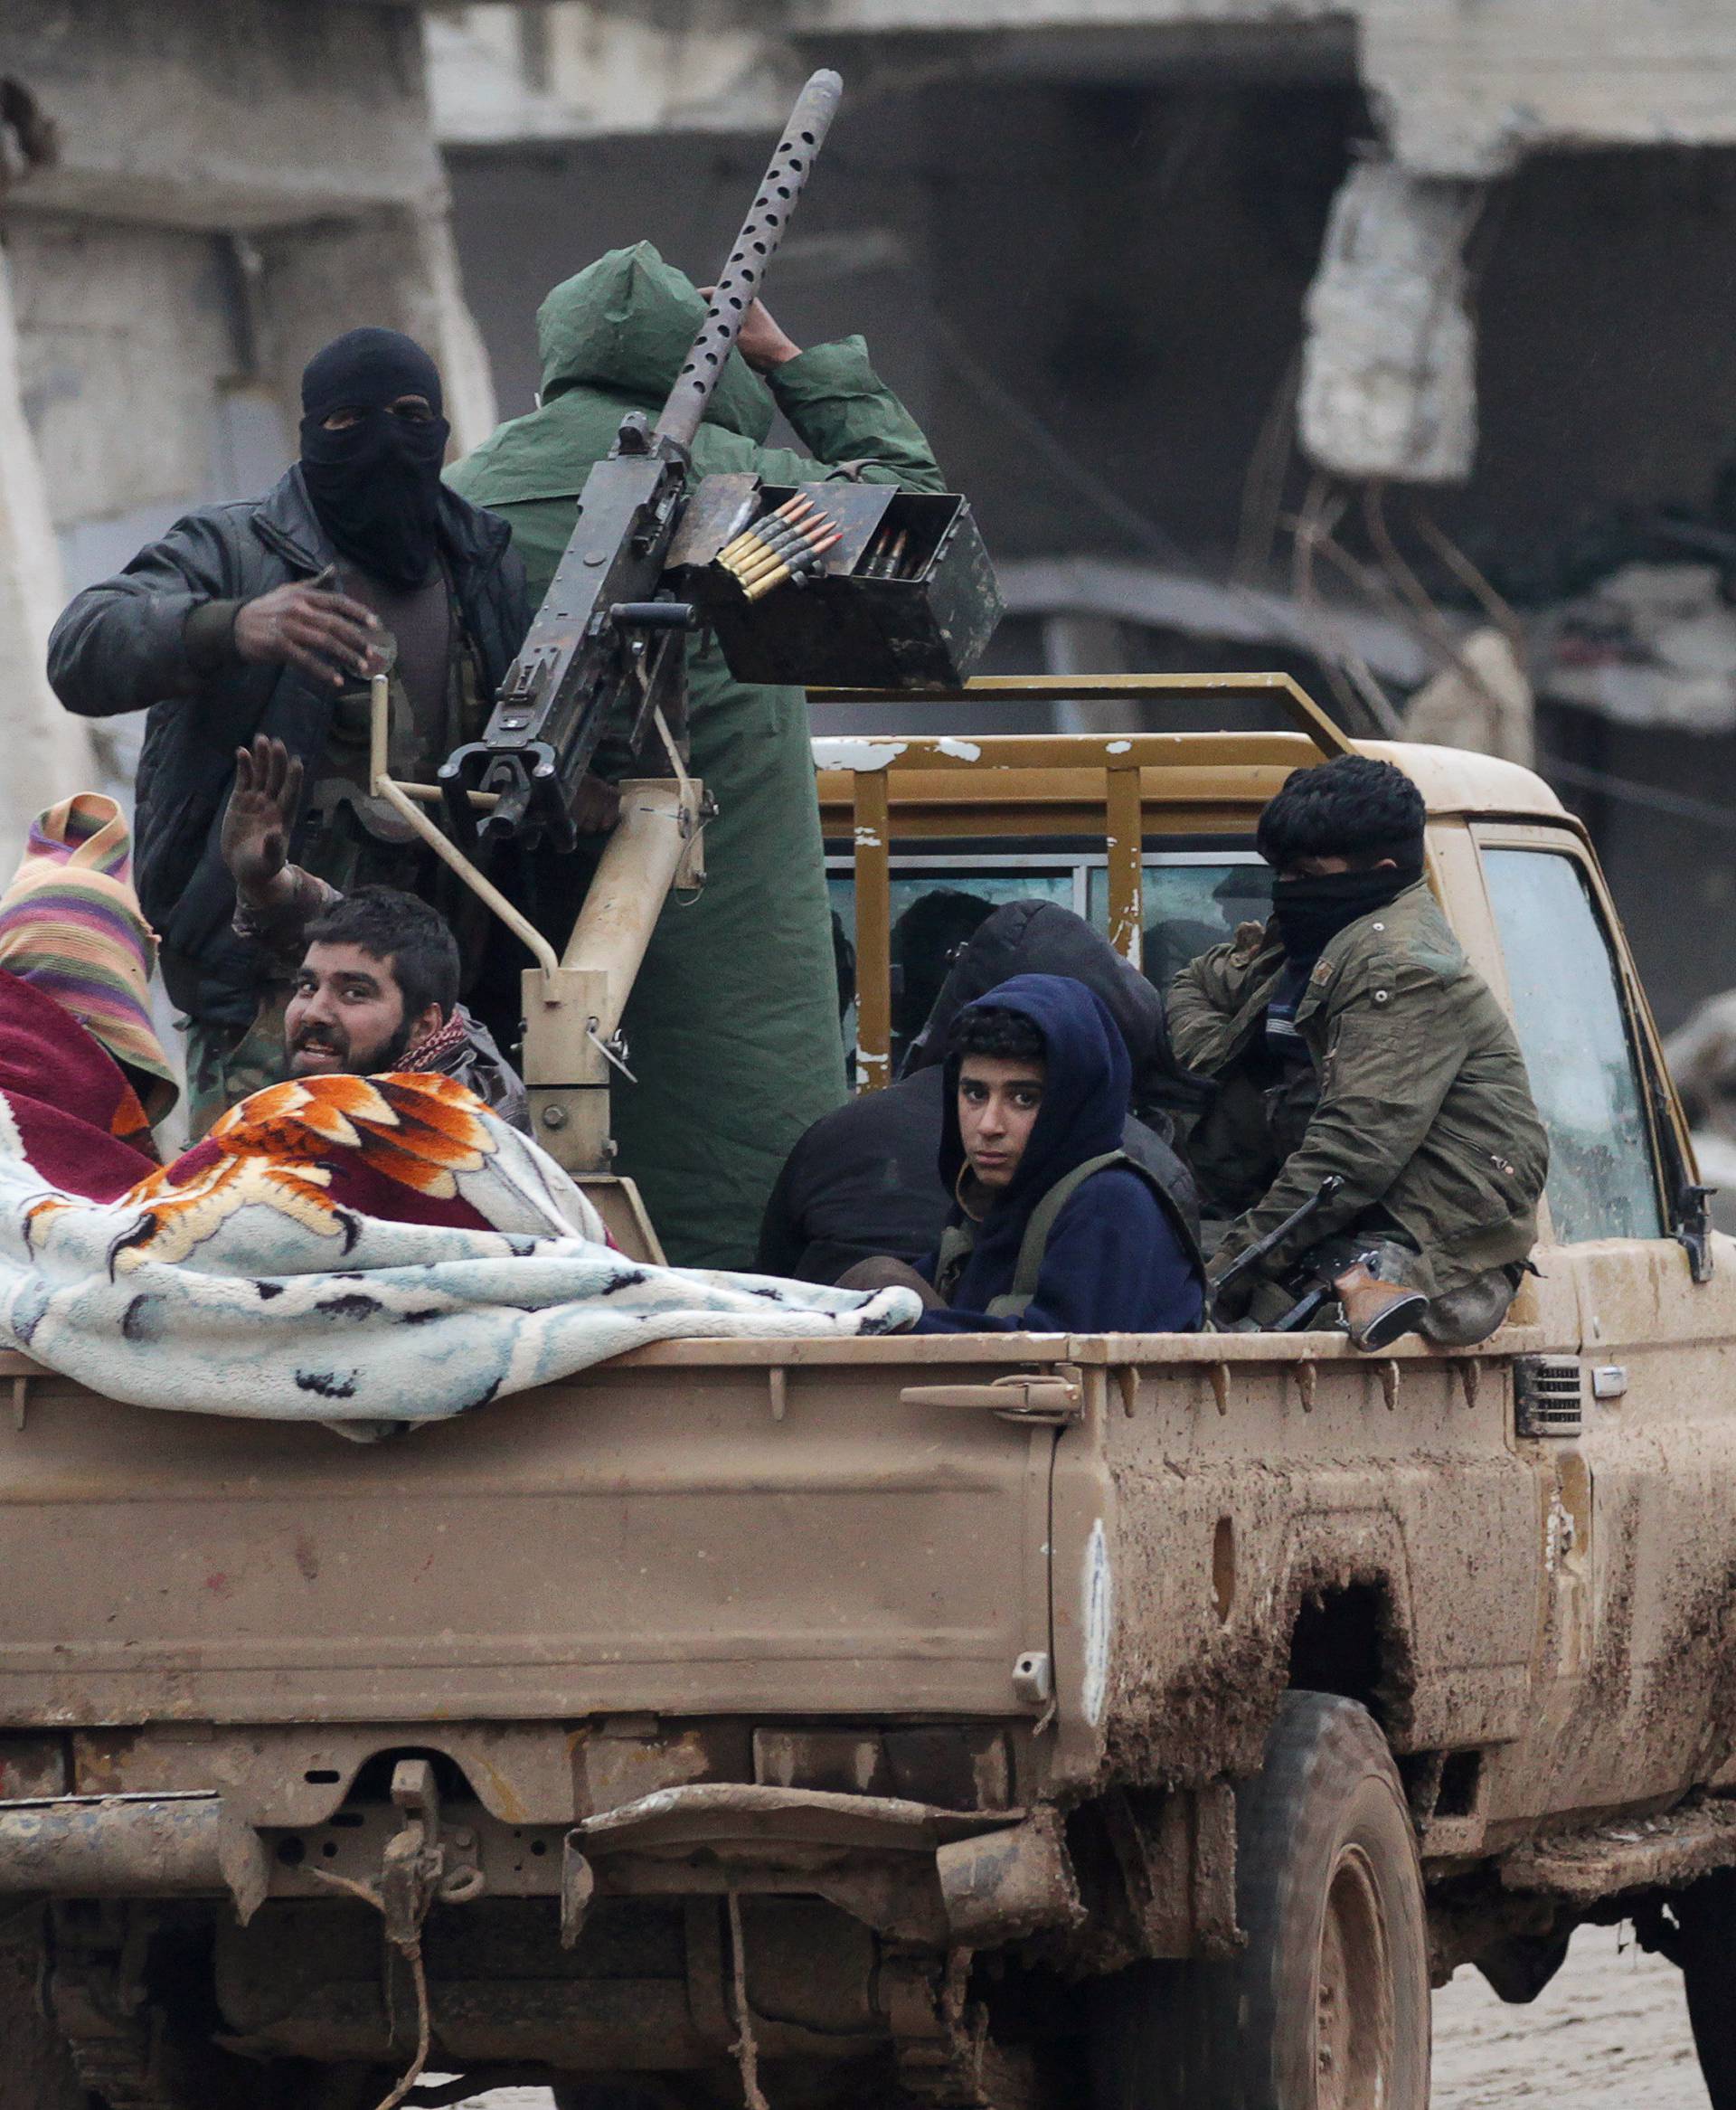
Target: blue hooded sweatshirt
<point x="1113" y="1263"/>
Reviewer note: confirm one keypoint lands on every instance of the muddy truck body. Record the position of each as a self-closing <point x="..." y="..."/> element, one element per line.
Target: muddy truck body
<point x="1008" y="1720"/>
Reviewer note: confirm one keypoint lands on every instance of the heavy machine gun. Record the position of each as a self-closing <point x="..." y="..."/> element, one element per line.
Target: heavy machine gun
<point x="902" y="593"/>
<point x="607" y="646"/>
<point x="897" y="592"/>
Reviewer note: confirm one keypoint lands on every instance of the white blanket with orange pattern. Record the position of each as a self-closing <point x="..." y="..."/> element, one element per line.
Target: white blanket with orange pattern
<point x="364" y="1252"/>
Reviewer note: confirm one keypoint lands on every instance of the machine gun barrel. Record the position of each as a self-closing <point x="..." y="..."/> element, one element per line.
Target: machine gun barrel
<point x="739" y="283"/>
<point x="607" y="638"/>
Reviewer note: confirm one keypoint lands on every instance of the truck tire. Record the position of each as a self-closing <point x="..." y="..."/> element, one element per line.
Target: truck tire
<point x="1327" y="2008"/>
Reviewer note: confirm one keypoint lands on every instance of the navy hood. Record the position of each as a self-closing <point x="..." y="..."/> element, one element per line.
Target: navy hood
<point x="1088" y="1078"/>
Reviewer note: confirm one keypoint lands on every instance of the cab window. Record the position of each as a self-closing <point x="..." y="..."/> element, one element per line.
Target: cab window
<point x="1572" y="1027"/>
<point x="1194" y="900"/>
<point x="1192" y="903"/>
<point x="936" y="905"/>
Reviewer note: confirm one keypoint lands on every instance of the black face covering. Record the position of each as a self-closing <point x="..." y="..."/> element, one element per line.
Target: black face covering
<point x="376" y="485"/>
<point x="1311" y="912"/>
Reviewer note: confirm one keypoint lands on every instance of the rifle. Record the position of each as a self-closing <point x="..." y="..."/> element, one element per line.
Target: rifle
<point x="609" y="638"/>
<point x="1252" y="1256"/>
<point x="1376" y="1312"/>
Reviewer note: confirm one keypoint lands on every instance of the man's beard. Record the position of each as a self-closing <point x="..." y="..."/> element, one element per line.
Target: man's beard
<point x="337" y="1058"/>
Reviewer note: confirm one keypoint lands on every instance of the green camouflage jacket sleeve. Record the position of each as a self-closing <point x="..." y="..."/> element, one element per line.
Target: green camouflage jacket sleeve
<point x="1204" y="998"/>
<point x="1392" y="1043"/>
<point x="848" y="418"/>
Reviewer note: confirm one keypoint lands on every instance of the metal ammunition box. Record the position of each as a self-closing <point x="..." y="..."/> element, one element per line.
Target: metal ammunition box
<point x="926" y="627"/>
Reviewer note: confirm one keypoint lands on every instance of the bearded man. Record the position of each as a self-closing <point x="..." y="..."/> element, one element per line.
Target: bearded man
<point x="268" y="617"/>
<point x="367" y="981"/>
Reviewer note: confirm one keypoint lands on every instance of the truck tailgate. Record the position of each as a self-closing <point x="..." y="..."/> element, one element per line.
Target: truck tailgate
<point x="704" y="1526"/>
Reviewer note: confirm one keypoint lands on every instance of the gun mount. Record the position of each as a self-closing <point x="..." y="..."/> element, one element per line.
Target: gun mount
<point x="840" y="580"/>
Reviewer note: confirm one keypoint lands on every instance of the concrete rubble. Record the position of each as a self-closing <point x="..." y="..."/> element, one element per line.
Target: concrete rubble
<point x="1389" y="375"/>
<point x="1650" y="645"/>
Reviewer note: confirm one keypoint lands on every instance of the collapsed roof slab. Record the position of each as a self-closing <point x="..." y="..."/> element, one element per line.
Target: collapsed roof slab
<point x="1226" y="53"/>
<point x="1468" y="87"/>
<point x="250" y="115"/>
<point x="500" y="74"/>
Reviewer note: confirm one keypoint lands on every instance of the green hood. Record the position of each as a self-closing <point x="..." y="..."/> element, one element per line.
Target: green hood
<point x="626" y="323"/>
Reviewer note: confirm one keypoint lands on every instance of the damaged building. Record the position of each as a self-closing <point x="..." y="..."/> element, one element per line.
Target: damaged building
<point x="1387" y="342"/>
<point x="193" y="199"/>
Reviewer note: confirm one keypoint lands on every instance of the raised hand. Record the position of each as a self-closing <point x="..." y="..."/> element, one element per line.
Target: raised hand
<point x="260" y="817"/>
<point x="762" y="342"/>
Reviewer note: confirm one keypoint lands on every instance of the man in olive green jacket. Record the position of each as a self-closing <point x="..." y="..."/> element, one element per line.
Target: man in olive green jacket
<point x="1349" y="1037"/>
<point x="733" y="1027"/>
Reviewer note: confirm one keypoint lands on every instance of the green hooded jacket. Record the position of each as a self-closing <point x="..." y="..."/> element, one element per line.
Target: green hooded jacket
<point x="1423" y="1107"/>
<point x="732" y="1027"/>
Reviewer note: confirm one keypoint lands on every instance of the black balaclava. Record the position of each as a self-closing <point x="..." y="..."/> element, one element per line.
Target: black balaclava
<point x="1310" y="913"/>
<point x="375" y="486"/>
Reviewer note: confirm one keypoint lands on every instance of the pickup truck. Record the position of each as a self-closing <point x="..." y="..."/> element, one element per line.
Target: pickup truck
<point x="1011" y="1721"/>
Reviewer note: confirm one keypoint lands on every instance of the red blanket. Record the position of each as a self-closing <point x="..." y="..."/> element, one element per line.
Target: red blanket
<point x="79" y="1121"/>
<point x="400" y="1147"/>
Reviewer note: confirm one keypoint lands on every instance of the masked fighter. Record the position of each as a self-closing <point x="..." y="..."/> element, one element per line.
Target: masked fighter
<point x="268" y="616"/>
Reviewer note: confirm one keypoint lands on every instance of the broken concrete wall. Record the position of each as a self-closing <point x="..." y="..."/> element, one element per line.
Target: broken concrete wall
<point x="47" y="752"/>
<point x="558" y="72"/>
<point x="1465" y="87"/>
<point x="248" y="114"/>
<point x="1389" y="380"/>
<point x="1156" y="340"/>
<point x="1463" y="92"/>
<point x="124" y="333"/>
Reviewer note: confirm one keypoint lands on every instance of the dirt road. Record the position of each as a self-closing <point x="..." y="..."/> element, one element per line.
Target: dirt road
<point x="1609" y="2034"/>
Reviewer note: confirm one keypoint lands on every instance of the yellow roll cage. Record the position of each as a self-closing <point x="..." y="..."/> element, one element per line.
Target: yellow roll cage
<point x="878" y="788"/>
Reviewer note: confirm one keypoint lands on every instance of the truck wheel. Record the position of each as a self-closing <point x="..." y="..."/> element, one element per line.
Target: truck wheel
<point x="1327" y="2006"/>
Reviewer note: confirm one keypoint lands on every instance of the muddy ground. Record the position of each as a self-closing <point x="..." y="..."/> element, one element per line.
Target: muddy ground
<point x="1609" y="2034"/>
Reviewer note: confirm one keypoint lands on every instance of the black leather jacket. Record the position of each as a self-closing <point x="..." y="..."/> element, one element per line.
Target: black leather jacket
<point x="121" y="646"/>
